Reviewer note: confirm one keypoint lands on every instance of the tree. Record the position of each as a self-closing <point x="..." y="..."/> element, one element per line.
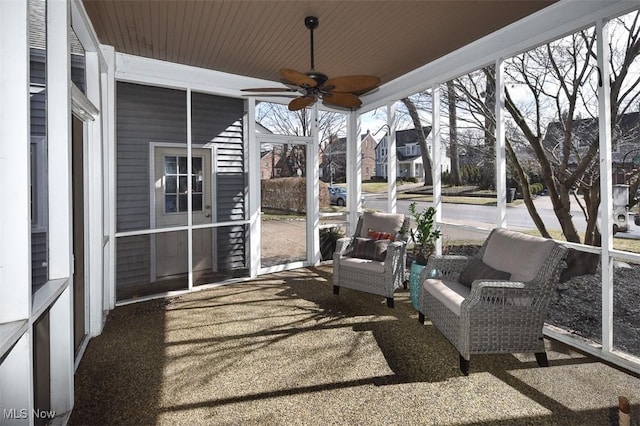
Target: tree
<point x="453" y="134"/>
<point x="556" y="112"/>
<point x="278" y="119"/>
<point x="422" y="139"/>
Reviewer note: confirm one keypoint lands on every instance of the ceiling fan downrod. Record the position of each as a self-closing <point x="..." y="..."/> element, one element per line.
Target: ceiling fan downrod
<point x="311" y="22"/>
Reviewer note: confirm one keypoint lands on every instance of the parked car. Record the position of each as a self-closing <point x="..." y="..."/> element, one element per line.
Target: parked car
<point x="338" y="195"/>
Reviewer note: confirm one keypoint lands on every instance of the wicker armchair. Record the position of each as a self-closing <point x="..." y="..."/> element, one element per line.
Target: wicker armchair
<point x="494" y="315"/>
<point x="373" y="260"/>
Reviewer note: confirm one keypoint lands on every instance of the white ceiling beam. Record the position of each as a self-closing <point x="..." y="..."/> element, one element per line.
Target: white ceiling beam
<point x="137" y="69"/>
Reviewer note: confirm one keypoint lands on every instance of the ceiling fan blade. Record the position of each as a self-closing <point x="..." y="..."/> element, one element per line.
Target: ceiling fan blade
<point x="269" y="89"/>
<point x="298" y="78"/>
<point x="301" y="102"/>
<point x="351" y="84"/>
<point x="344" y="100"/>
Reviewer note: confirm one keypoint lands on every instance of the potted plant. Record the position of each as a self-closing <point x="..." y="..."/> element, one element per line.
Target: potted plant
<point x="424" y="239"/>
<point x="328" y="239"/>
<point x="425" y="235"/>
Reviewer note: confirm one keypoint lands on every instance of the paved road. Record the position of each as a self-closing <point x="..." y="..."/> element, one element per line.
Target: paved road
<point x="485" y="216"/>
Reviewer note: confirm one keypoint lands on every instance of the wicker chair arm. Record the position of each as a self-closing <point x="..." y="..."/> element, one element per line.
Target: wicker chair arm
<point x="343" y="246"/>
<point x="395" y="255"/>
<point x="492" y="293"/>
<point x="481" y="285"/>
<point x="394" y="247"/>
<point x="445" y="265"/>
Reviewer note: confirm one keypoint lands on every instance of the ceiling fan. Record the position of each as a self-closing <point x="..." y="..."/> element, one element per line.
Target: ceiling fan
<point x="343" y="92"/>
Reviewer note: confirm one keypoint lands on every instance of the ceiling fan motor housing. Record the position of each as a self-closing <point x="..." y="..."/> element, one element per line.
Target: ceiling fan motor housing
<point x="318" y="77"/>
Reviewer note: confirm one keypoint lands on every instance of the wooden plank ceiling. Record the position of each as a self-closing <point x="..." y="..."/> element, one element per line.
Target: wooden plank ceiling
<point x="257" y="38"/>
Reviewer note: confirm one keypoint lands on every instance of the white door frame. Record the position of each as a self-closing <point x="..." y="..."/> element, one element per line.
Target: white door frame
<point x="152" y="201"/>
<point x="307" y="142"/>
<point x="83" y="109"/>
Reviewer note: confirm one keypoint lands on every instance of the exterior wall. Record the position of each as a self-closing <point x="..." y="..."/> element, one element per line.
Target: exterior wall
<point x="336" y="154"/>
<point x="414" y="165"/>
<point x="144" y="114"/>
<point x="381" y="158"/>
<point x="268" y="165"/>
<point x="218" y="120"/>
<point x="368" y="157"/>
<point x="148" y="114"/>
<point x="38" y="125"/>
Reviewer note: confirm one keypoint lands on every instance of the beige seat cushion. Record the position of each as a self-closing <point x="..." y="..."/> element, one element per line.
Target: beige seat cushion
<point x="450" y="293"/>
<point x="362" y="264"/>
<point x="383" y="222"/>
<point x="519" y="254"/>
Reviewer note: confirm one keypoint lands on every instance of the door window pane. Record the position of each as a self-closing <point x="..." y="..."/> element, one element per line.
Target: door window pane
<point x="175" y="184"/>
<point x="170" y="204"/>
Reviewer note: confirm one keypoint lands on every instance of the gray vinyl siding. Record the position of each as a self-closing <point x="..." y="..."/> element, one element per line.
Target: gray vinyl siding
<point x="144" y="114"/>
<point x="38" y="258"/>
<point x="219" y="120"/>
<point x="38" y="96"/>
<point x="38" y="126"/>
<point x="78" y="72"/>
<point x="133" y="260"/>
<point x="38" y="122"/>
<point x="148" y="114"/>
<point x="37" y="66"/>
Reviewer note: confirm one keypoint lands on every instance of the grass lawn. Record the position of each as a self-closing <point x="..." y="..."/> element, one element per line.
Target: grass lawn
<point x="479" y="201"/>
<point x="622" y="244"/>
<point x="377" y="187"/>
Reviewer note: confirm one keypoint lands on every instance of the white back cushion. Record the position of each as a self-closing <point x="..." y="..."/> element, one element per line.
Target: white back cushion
<point x="383" y="222"/>
<point x="519" y="254"/>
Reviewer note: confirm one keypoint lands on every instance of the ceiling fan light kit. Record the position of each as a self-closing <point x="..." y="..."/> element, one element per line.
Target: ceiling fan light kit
<point x="341" y="92"/>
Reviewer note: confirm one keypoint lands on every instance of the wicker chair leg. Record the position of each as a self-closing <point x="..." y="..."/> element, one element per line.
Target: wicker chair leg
<point x="421" y="318"/>
<point x="542" y="359"/>
<point x="336" y="289"/>
<point x="464" y="365"/>
<point x="390" y="302"/>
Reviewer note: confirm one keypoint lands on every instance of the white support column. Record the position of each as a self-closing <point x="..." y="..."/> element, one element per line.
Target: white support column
<point x="94" y="195"/>
<point x="606" y="195"/>
<point x="60" y="200"/>
<point x="313" y="191"/>
<point x="253" y="168"/>
<point x="189" y="198"/>
<point x="392" y="159"/>
<point x="354" y="169"/>
<point x="59" y="140"/>
<point x="16" y="390"/>
<point x="15" y="224"/>
<point x="108" y="113"/>
<point x="61" y="341"/>
<point x="16" y="372"/>
<point x="437" y="159"/>
<point x="501" y="158"/>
